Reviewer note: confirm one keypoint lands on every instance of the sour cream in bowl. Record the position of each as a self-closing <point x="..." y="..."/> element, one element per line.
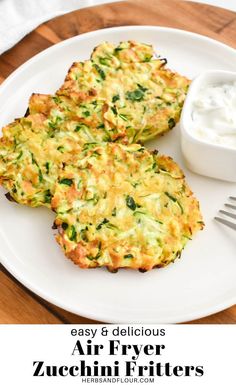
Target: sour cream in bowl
<point x="208" y="125"/>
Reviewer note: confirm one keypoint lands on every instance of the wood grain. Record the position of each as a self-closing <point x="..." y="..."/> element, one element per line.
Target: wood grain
<point x="18" y="304"/>
<point x="224" y="317"/>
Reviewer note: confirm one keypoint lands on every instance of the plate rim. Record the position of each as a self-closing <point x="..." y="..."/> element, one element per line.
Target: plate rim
<point x="62" y="43"/>
<point x="192" y="315"/>
<point x="123" y="320"/>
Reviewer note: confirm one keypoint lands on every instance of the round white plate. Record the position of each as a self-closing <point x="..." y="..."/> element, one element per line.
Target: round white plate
<point x="200" y="283"/>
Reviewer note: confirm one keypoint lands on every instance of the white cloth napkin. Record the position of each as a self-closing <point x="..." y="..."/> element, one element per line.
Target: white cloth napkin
<point x="19" y="17"/>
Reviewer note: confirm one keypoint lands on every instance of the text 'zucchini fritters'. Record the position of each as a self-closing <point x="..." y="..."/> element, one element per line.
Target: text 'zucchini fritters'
<point x="122" y="206"/>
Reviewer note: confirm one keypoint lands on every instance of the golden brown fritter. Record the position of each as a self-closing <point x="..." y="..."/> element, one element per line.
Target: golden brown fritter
<point x="121" y="94"/>
<point x="33" y="151"/>
<point x="122" y="206"/>
<point x="141" y="98"/>
<point x="116" y="203"/>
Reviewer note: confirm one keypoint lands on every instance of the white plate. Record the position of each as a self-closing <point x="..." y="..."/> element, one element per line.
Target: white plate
<point x="200" y="283"/>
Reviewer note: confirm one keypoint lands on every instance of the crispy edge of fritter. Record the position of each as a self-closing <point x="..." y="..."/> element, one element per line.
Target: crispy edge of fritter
<point x="77" y="255"/>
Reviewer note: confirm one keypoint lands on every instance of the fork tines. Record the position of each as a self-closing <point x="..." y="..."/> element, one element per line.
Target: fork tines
<point x="225" y="222"/>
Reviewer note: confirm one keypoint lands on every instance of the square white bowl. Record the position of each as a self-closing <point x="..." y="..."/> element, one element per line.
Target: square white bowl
<point x="209" y="159"/>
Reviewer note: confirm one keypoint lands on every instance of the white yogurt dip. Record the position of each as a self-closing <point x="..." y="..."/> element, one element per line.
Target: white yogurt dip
<point x="214" y="114"/>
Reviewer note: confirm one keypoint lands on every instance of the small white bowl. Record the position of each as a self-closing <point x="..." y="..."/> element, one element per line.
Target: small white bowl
<point x="209" y="159"/>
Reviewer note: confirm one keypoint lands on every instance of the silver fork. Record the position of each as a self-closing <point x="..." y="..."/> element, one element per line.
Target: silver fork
<point x="230" y="224"/>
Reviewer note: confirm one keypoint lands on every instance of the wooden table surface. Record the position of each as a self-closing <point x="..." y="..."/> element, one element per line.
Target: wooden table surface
<point x="18" y="304"/>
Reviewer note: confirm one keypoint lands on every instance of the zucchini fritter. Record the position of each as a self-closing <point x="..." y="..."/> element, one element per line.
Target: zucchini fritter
<point x="116" y="204"/>
<point x="122" y="206"/>
<point x="120" y="94"/>
<point x="33" y="151"/>
<point x="140" y="98"/>
<point x="85" y="119"/>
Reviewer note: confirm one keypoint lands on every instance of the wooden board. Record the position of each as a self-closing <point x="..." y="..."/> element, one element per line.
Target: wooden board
<point x="18" y="304"/>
